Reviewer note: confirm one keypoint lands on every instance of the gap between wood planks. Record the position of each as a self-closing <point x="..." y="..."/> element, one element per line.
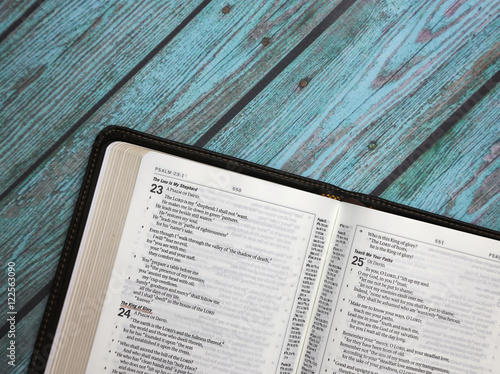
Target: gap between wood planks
<point x="26" y="308"/>
<point x="329" y="20"/>
<point x="438" y="134"/>
<point x="9" y="30"/>
<point x="335" y="14"/>
<point x="105" y="98"/>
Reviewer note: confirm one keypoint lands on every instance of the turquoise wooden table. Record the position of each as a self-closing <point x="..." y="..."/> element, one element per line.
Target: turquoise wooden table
<point x="395" y="98"/>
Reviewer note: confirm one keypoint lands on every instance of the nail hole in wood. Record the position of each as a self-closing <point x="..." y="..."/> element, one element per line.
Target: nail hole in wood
<point x="304" y="82"/>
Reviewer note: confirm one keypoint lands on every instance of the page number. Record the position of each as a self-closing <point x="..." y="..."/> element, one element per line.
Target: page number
<point x="439" y="241"/>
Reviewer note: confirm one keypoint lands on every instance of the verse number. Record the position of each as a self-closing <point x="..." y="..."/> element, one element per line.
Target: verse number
<point x="124" y="313"/>
<point x="357" y="261"/>
<point x="156" y="188"/>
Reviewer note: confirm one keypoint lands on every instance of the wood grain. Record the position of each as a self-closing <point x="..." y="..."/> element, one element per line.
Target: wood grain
<point x="461" y="170"/>
<point x="186" y="90"/>
<point x="62" y="60"/>
<point x="406" y="80"/>
<point x="13" y="11"/>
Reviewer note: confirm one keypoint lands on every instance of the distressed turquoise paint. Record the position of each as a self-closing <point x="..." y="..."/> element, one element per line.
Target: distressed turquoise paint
<point x="169" y="88"/>
<point x="12" y="10"/>
<point x="185" y="90"/>
<point x="460" y="175"/>
<point x="62" y="60"/>
<point x="355" y="96"/>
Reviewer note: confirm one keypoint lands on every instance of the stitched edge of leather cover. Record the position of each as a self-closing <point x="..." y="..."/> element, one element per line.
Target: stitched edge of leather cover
<point x="116" y="133"/>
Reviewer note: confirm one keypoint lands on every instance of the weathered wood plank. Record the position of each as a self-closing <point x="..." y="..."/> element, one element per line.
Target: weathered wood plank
<point x="65" y="58"/>
<point x="460" y="170"/>
<point x="12" y="10"/>
<point x="411" y="70"/>
<point x="189" y="89"/>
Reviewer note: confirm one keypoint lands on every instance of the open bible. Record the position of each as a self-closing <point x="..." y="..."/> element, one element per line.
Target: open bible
<point x="180" y="260"/>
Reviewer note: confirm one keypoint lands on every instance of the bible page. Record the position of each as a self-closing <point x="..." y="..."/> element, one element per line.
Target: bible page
<point x="215" y="272"/>
<point x="402" y="296"/>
